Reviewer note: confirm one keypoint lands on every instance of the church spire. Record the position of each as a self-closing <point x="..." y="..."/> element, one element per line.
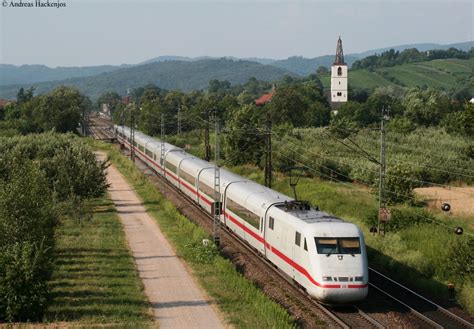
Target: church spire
<point x="339" y="53"/>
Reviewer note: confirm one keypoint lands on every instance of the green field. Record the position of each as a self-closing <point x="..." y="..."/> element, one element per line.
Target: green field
<point x="95" y="281"/>
<point x="440" y="74"/>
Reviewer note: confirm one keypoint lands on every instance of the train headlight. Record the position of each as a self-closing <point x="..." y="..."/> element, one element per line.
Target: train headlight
<point x="327" y="278"/>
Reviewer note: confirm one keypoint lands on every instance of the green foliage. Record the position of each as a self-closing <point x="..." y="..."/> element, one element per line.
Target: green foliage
<point x="424" y="154"/>
<point x="399" y="181"/>
<point x="244" y="139"/>
<point x="199" y="253"/>
<point x="39" y="176"/>
<point x="402" y="218"/>
<point x="460" y="123"/>
<point x="27" y="221"/>
<point x="392" y="57"/>
<point x="169" y="75"/>
<point x="60" y="110"/>
<point x="426" y="107"/>
<point x="461" y="258"/>
<point x="25" y="268"/>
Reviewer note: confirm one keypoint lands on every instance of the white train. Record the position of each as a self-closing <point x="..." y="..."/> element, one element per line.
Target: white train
<point x="322" y="253"/>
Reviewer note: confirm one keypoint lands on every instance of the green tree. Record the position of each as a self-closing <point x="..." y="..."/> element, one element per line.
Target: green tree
<point x="322" y="70"/>
<point x="61" y="109"/>
<point x="426" y="107"/>
<point x="244" y="138"/>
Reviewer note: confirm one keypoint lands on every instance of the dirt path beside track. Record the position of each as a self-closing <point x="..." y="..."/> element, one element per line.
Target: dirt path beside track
<point x="175" y="298"/>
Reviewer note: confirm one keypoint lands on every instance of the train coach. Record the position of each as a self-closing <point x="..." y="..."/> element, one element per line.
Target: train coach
<point x="323" y="254"/>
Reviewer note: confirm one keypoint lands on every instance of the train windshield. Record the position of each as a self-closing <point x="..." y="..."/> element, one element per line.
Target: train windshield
<point x="337" y="245"/>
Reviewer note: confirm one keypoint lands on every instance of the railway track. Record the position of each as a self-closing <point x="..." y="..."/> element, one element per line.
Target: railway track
<point x="100" y="129"/>
<point x="426" y="310"/>
<point x="415" y="310"/>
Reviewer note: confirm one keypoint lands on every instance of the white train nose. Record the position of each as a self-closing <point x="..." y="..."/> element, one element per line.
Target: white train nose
<point x="347" y="294"/>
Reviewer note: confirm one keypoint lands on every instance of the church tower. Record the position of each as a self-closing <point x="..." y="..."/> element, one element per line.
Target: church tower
<point x="339" y="76"/>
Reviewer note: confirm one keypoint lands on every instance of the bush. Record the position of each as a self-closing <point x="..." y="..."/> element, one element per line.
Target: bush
<point x="25" y="268"/>
<point x="401" y="218"/>
<point x="27" y="221"/>
<point x="461" y="259"/>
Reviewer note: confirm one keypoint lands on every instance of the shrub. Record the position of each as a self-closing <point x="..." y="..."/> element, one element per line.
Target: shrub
<point x="401" y="218"/>
<point x="25" y="268"/>
<point x="460" y="262"/>
<point x="27" y="221"/>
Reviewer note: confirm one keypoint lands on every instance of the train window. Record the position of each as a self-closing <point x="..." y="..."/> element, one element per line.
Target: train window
<point x="271" y="223"/>
<point x="326" y="245"/>
<point x="170" y="166"/>
<point x="187" y="177"/>
<point x="298" y="239"/>
<point x="209" y="191"/>
<point x="243" y="213"/>
<point x="305" y="245"/>
<point x="148" y="152"/>
<point x="337" y="245"/>
<point x="349" y="245"/>
<point x="141" y="148"/>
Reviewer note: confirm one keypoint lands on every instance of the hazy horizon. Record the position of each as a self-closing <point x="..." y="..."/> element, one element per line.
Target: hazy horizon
<point x="116" y="32"/>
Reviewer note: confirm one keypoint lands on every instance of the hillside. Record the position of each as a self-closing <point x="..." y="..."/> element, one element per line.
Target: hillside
<point x="11" y="74"/>
<point x="170" y="75"/>
<point x="442" y="74"/>
<point x="306" y="66"/>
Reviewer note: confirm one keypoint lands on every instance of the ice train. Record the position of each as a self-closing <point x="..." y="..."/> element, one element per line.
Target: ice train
<point x="322" y="253"/>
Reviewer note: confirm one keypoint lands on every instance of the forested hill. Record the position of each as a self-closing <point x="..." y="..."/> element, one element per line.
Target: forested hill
<point x="183" y="75"/>
<point x="305" y="66"/>
<point x="11" y="74"/>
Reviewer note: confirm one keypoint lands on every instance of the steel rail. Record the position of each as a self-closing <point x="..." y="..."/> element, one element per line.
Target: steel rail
<point x="438" y="308"/>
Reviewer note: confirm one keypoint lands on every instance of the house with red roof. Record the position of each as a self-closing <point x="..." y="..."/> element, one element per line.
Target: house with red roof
<point x="265" y="98"/>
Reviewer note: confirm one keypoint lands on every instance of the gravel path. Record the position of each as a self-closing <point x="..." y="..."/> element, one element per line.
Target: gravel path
<point x="175" y="298"/>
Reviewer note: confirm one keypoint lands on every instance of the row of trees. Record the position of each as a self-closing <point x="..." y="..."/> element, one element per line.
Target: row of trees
<point x="60" y="110"/>
<point x="412" y="55"/>
<point x="43" y="178"/>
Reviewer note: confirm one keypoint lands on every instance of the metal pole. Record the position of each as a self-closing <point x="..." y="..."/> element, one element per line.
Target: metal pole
<point x="179" y="120"/>
<point x="382" y="205"/>
<point x="268" y="153"/>
<point x="217" y="185"/>
<point x="162" y="143"/>
<point x="207" y="146"/>
<point x="132" y="128"/>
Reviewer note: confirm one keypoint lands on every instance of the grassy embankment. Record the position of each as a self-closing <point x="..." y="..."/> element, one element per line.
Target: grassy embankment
<point x="439" y="74"/>
<point x="242" y="303"/>
<point x="95" y="281"/>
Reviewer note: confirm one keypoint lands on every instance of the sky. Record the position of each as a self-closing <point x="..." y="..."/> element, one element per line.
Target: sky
<point x="86" y="32"/>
